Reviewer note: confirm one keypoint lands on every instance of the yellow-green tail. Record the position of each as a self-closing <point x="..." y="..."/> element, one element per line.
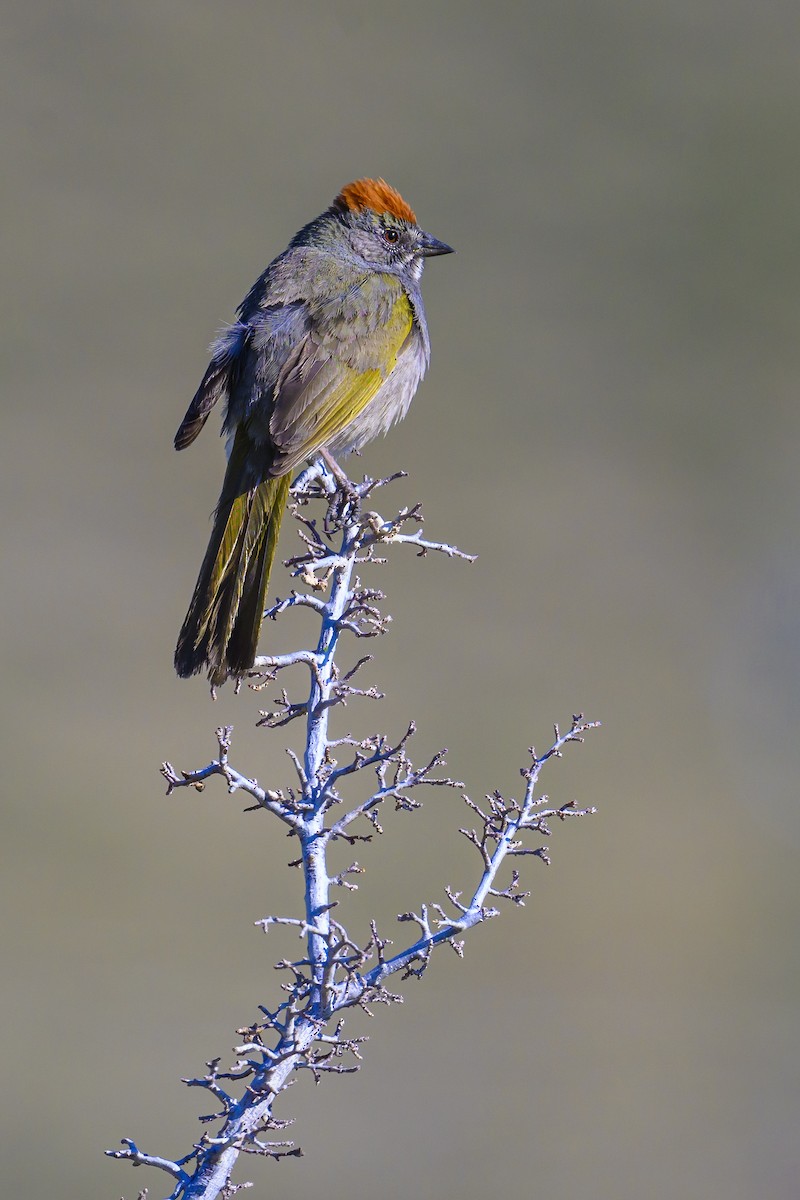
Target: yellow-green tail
<point x="224" y="618"/>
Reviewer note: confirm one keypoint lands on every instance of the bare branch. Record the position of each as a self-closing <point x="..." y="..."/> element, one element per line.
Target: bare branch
<point x="335" y="971"/>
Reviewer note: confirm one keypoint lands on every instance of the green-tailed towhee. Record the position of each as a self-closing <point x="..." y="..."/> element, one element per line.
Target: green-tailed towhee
<point x="327" y="352"/>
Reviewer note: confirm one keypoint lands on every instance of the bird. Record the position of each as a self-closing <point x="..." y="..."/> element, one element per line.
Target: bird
<point x="326" y="352"/>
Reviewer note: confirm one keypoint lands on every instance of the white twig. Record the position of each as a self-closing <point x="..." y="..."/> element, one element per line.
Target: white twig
<point x="334" y="971"/>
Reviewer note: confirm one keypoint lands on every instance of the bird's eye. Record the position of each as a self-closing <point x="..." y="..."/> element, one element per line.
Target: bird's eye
<point x="391" y="236"/>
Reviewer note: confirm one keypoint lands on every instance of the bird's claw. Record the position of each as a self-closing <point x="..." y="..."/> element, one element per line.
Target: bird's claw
<point x="344" y="506"/>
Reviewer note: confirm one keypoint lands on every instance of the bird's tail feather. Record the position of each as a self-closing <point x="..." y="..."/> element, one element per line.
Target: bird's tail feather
<point x="224" y="618"/>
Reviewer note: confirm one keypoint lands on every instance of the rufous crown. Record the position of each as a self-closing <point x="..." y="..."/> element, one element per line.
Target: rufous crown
<point x="376" y="194"/>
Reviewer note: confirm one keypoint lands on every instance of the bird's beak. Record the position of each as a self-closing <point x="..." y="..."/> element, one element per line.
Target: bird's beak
<point x="431" y="245"/>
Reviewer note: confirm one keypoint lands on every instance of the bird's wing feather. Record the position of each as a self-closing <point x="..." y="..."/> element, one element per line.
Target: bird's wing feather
<point x="219" y="379"/>
<point x="330" y="378"/>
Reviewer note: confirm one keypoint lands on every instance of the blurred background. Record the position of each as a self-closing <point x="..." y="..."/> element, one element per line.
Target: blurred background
<point x="610" y="422"/>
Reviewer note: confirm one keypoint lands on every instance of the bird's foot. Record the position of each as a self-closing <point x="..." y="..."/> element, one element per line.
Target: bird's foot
<point x="344" y="506"/>
<point x="344" y="496"/>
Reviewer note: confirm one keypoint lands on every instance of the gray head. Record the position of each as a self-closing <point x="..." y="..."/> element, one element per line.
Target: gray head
<point x="380" y="229"/>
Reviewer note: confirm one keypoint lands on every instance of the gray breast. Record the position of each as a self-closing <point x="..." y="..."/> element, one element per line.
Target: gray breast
<point x="390" y="403"/>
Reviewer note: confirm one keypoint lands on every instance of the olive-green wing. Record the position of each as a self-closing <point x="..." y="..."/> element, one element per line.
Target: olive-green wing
<point x="337" y="369"/>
